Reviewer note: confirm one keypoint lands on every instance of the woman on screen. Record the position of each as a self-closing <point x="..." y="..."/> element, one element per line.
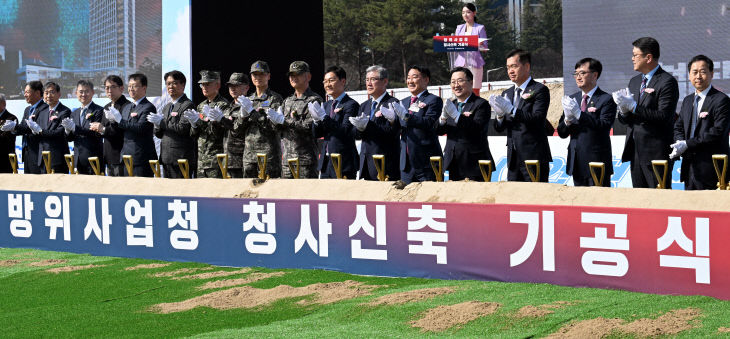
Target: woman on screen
<point x="472" y="60"/>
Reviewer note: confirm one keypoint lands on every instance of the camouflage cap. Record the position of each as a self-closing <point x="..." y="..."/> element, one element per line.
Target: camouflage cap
<point x="260" y="66"/>
<point x="298" y="67"/>
<point x="238" y="79"/>
<point x="209" y="76"/>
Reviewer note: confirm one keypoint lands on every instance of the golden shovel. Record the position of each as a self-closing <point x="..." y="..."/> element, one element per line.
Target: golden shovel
<point x="129" y="163"/>
<point x="485" y="166"/>
<point x="13" y="162"/>
<point x="379" y="161"/>
<point x="70" y="163"/>
<point x="47" y="161"/>
<point x="716" y="158"/>
<point x="184" y="167"/>
<point x="262" y="161"/>
<point x="95" y="166"/>
<point x="534" y="176"/>
<point x="438" y="168"/>
<point x="223" y="164"/>
<point x="593" y="166"/>
<point x="662" y="179"/>
<point x="294" y="167"/>
<point x="155" y="164"/>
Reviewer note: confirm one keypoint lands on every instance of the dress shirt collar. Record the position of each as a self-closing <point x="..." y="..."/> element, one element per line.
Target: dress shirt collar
<point x="136" y="103"/>
<point x="591" y="92"/>
<point x="420" y="94"/>
<point x="380" y="98"/>
<point x="650" y="74"/>
<point x="523" y="86"/>
<point x="467" y="98"/>
<point x="703" y="94"/>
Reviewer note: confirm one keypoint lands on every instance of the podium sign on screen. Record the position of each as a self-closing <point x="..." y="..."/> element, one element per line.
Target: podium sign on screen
<point x="455" y="43"/>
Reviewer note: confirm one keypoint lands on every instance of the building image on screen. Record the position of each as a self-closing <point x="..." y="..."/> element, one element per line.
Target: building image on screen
<point x="605" y="30"/>
<point x="68" y="40"/>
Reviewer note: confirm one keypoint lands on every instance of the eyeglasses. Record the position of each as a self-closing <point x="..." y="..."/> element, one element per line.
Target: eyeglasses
<point x="458" y="82"/>
<point x="330" y="81"/>
<point x="373" y="79"/>
<point x="513" y="66"/>
<point x="702" y="73"/>
<point x="581" y="74"/>
<point x="134" y="86"/>
<point x="634" y="56"/>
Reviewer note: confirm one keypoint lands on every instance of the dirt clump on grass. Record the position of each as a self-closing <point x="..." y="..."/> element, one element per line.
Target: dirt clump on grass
<point x="23" y="254"/>
<point x="146" y="266"/>
<point x="447" y="316"/>
<point x="216" y="274"/>
<point x="8" y="263"/>
<point x="72" y="268"/>
<point x="410" y="296"/>
<point x="180" y="271"/>
<point x="253" y="277"/>
<point x="48" y="262"/>
<point x="250" y="297"/>
<point x="670" y="323"/>
<point x="724" y="329"/>
<point x="531" y="311"/>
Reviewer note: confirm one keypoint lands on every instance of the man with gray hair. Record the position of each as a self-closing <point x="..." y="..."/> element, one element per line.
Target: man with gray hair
<point x="377" y="127"/>
<point x="7" y="139"/>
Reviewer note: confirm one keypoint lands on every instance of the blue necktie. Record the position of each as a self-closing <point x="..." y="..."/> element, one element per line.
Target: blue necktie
<point x="460" y="107"/>
<point x="372" y="109"/>
<point x="643" y="86"/>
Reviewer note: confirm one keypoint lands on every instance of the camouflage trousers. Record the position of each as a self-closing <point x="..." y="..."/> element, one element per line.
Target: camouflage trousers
<point x="251" y="169"/>
<point x="210" y="173"/>
<point x="305" y="171"/>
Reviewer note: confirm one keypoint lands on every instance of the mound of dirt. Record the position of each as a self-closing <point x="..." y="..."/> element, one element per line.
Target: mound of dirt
<point x="48" y="262"/>
<point x="444" y="317"/>
<point x="146" y="266"/>
<point x="410" y="296"/>
<point x="670" y="323"/>
<point x="72" y="268"/>
<point x="531" y="311"/>
<point x="360" y="190"/>
<point x="256" y="276"/>
<point x="249" y="297"/>
<point x="216" y="274"/>
<point x="179" y="272"/>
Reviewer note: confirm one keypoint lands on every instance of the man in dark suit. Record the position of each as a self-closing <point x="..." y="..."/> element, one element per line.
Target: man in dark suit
<point x="419" y="140"/>
<point x="87" y="143"/>
<point x="7" y="138"/>
<point x="587" y="118"/>
<point x="522" y="111"/>
<point x="464" y="120"/>
<point x="332" y="123"/>
<point x="113" y="138"/>
<point x="44" y="128"/>
<point x="33" y="94"/>
<point x="174" y="131"/>
<point x="137" y="130"/>
<point x="377" y="126"/>
<point x="647" y="108"/>
<point x="702" y="127"/>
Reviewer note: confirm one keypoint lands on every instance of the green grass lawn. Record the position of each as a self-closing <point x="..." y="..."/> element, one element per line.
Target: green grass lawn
<point x="109" y="301"/>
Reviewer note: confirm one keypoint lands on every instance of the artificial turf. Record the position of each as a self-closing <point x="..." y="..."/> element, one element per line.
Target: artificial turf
<point x="109" y="301"/>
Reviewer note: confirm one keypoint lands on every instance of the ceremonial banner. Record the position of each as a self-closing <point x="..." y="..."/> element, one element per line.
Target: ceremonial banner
<point x="455" y="43"/>
<point x="656" y="251"/>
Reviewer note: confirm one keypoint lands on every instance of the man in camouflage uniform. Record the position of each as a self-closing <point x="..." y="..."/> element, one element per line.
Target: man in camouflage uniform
<point x="296" y="123"/>
<point x="261" y="135"/>
<point x="207" y="126"/>
<point x="235" y="142"/>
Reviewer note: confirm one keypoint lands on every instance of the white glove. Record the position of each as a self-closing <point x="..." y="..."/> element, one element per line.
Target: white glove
<point x="275" y="116"/>
<point x="246" y="105"/>
<point x="68" y="125"/>
<point x="316" y="111"/>
<point x="502" y="106"/>
<point x="155" y="118"/>
<point x="215" y="114"/>
<point x="388" y="113"/>
<point x="34" y="127"/>
<point x="399" y="110"/>
<point x="360" y="122"/>
<point x="677" y="149"/>
<point x="451" y="110"/>
<point x="624" y="100"/>
<point x="113" y="114"/>
<point x="192" y="116"/>
<point x="8" y="126"/>
<point x="570" y="109"/>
